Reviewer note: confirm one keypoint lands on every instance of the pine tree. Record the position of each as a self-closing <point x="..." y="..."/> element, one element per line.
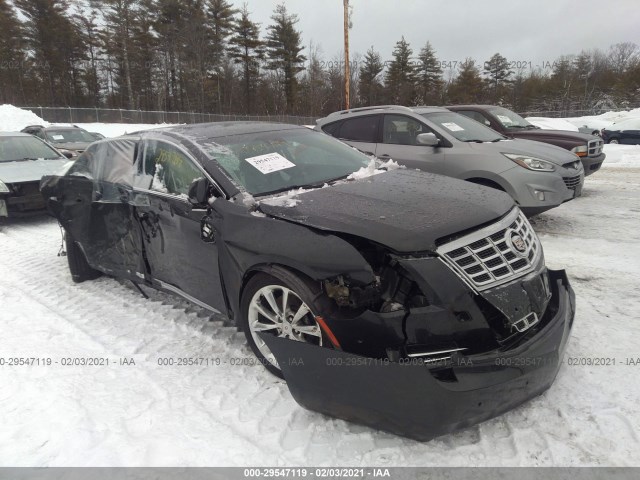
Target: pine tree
<point x="284" y="49"/>
<point x="12" y="55"/>
<point x="429" y="76"/>
<point x="497" y="70"/>
<point x="400" y="80"/>
<point x="120" y="17"/>
<point x="247" y="50"/>
<point x="370" y="87"/>
<point x="55" y="48"/>
<point x="468" y="85"/>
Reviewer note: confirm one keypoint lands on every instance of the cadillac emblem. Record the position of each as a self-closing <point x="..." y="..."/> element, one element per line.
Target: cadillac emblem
<point x="518" y="243"/>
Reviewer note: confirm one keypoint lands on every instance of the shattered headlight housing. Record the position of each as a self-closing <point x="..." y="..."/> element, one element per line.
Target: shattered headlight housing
<point x="4" y="188"/>
<point x="531" y="163"/>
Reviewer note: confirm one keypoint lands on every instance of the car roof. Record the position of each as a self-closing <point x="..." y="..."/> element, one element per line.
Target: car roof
<point x="223" y="129"/>
<point x="380" y="109"/>
<point x="14" y="134"/>
<point x="475" y="106"/>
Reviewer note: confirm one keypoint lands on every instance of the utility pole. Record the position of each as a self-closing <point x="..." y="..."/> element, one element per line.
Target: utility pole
<point x="347" y="72"/>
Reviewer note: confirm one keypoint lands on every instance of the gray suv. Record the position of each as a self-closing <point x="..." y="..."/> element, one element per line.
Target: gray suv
<point x="538" y="176"/>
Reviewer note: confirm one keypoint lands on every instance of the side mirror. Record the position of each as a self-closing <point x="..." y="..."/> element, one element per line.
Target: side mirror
<point x="67" y="153"/>
<point x="199" y="191"/>
<point x="428" y="139"/>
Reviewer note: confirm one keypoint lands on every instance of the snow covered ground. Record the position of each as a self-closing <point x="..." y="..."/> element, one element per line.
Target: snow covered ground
<point x="147" y="414"/>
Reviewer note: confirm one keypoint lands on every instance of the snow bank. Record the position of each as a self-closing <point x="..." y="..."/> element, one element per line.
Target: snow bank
<point x="552" y="123"/>
<point x="598" y="122"/>
<point x="14" y="119"/>
<point x="622" y="156"/>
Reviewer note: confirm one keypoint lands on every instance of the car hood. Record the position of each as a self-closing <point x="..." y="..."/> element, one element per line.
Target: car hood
<point x="543" y="133"/>
<point x="544" y="151"/>
<point x="29" y="170"/>
<point x="72" y="145"/>
<point x="405" y="210"/>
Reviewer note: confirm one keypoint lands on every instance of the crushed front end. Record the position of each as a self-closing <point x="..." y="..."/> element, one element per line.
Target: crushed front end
<point x="442" y="340"/>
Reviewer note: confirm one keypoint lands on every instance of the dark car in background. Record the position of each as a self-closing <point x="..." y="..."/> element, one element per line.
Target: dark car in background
<point x="537" y="176"/>
<point x="409" y="297"/>
<point x="70" y="140"/>
<point x="587" y="147"/>
<point x="625" y="132"/>
<point x="24" y="160"/>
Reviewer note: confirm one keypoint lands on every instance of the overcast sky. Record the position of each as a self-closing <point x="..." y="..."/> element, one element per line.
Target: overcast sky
<point x="530" y="31"/>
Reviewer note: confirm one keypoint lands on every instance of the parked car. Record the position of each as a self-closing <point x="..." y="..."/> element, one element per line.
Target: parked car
<point x="23" y="161"/>
<point x="440" y="280"/>
<point x="70" y="140"/>
<point x="586" y="145"/>
<point x="627" y="132"/>
<point x="537" y="176"/>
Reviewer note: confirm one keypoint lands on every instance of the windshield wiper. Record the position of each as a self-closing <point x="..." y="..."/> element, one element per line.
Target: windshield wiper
<point x="474" y="140"/>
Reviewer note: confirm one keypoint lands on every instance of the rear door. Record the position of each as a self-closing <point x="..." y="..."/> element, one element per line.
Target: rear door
<point x="360" y="132"/>
<point x="399" y="143"/>
<point x="178" y="260"/>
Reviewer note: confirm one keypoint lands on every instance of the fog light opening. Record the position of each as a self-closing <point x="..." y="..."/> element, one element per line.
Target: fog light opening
<point x="539" y="195"/>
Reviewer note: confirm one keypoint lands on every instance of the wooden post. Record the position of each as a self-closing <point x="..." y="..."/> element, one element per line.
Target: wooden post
<point x="347" y="72"/>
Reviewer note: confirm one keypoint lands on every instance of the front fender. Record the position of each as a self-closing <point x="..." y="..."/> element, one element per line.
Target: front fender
<point x="247" y="241"/>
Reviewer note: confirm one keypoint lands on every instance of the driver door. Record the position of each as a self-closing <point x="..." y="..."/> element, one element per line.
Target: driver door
<point x="178" y="260"/>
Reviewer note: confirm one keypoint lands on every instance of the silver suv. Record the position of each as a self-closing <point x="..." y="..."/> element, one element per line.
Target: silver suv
<point x="538" y="176"/>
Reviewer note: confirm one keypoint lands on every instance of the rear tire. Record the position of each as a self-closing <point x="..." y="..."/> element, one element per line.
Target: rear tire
<point x="78" y="265"/>
<point x="303" y="298"/>
<point x="614" y="140"/>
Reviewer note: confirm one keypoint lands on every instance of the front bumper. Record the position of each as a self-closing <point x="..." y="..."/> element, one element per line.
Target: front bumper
<point x="421" y="400"/>
<point x="23" y="198"/>
<point x="524" y="186"/>
<point x="592" y="164"/>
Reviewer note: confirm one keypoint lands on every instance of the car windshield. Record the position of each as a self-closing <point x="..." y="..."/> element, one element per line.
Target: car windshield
<point x="463" y="128"/>
<point x="509" y="119"/>
<point x="25" y="148"/>
<point x="269" y="162"/>
<point x="69" y="135"/>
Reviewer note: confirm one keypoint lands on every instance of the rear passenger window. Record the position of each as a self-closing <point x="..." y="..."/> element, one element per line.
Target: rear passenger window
<point x="360" y="129"/>
<point x="166" y="169"/>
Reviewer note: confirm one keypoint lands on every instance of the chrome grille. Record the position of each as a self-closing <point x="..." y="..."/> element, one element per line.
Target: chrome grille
<point x="595" y="147"/>
<point x="490" y="257"/>
<point x="572" y="182"/>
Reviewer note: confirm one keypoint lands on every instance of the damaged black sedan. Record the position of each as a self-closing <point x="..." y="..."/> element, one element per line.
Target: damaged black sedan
<point x="396" y="298"/>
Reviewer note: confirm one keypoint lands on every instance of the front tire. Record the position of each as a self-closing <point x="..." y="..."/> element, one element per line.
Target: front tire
<point x="282" y="304"/>
<point x="78" y="265"/>
<point x="614" y="140"/>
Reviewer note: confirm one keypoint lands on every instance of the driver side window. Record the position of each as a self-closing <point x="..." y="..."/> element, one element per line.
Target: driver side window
<point x="402" y="130"/>
<point x="166" y="169"/>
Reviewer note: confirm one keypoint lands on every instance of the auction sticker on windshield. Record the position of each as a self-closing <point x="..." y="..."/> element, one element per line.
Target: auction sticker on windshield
<point x="504" y="119"/>
<point x="269" y="163"/>
<point x="57" y="137"/>
<point x="454" y="127"/>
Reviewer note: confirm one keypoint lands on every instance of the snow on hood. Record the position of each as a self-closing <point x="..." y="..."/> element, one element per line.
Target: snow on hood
<point x="288" y="199"/>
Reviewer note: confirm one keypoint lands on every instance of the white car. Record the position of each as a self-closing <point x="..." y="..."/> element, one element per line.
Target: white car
<point x="24" y="160"/>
